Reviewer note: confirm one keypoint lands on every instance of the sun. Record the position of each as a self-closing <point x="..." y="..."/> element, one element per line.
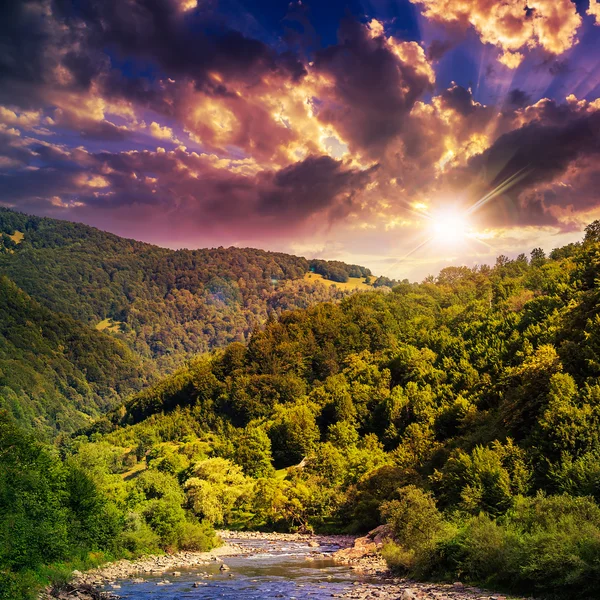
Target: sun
<point x="449" y="227"/>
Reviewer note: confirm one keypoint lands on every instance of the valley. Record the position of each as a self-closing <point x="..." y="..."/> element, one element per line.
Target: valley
<point x="460" y="413"/>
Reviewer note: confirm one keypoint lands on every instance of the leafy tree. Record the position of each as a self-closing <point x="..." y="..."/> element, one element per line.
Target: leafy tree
<point x="294" y="433"/>
<point x="253" y="452"/>
<point x="414" y="520"/>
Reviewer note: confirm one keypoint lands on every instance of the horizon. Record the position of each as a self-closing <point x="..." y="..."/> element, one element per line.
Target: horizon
<point x="511" y="256"/>
<point x="404" y="136"/>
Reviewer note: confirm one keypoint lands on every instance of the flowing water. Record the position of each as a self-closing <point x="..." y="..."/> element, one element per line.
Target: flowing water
<point x="275" y="570"/>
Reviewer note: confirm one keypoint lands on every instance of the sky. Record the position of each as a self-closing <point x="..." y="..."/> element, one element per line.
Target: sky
<point x="403" y="135"/>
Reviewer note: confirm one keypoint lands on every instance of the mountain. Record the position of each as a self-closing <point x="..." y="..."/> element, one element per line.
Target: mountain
<point x="462" y="413"/>
<point x="89" y="317"/>
<point x="166" y="305"/>
<point x="458" y="411"/>
<point x="57" y="374"/>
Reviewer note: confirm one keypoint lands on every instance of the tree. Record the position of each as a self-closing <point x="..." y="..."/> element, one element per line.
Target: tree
<point x="538" y="257"/>
<point x="592" y="232"/>
<point x="213" y="488"/>
<point x="414" y="518"/>
<point x="253" y="451"/>
<point x="476" y="481"/>
<point x="293" y="434"/>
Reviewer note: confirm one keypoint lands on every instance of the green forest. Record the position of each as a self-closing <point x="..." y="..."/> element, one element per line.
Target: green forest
<point x="87" y="317"/>
<point x="166" y="305"/>
<point x="463" y="411"/>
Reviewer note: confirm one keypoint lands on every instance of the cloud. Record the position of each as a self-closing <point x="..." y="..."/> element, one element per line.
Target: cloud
<point x="438" y="48"/>
<point x="162" y="133"/>
<point x="369" y="84"/>
<point x="514" y="27"/>
<point x="308" y="187"/>
<point x="190" y="43"/>
<point x="25" y="119"/>
<point x="280" y="145"/>
<point x="518" y="98"/>
<point x="594" y="11"/>
<point x="551" y="141"/>
<point x="181" y="191"/>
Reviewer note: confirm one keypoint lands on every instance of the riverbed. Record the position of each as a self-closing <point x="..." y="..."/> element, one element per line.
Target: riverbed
<point x="291" y="567"/>
<point x="264" y="569"/>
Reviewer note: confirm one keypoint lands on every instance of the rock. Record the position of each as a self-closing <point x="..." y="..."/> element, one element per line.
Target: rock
<point x="223" y="567"/>
<point x="76" y="573"/>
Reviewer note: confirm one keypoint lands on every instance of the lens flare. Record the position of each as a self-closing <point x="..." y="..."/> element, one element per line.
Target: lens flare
<point x="448" y="227"/>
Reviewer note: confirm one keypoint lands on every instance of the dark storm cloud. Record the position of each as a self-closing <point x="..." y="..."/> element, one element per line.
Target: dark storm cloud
<point x="25" y="32"/>
<point x="125" y="47"/>
<point x="517" y="98"/>
<point x="317" y="183"/>
<point x="438" y="48"/>
<point x="552" y="144"/>
<point x="197" y="191"/>
<point x="189" y="43"/>
<point x="458" y="99"/>
<point x="542" y="147"/>
<point x="376" y="82"/>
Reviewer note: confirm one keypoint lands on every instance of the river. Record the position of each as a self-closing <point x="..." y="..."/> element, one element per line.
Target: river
<point x="271" y="570"/>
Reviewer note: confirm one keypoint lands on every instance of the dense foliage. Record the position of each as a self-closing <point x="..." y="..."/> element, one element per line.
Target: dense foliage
<point x="57" y="374"/>
<point x="167" y="305"/>
<point x="338" y="271"/>
<point x="54" y="514"/>
<point x="463" y="411"/>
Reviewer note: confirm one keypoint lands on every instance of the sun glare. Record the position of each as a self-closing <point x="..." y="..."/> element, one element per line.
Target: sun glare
<point x="449" y="227"/>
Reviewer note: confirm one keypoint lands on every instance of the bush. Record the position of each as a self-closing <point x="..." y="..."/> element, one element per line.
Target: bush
<point x="397" y="557"/>
<point x="138" y="537"/>
<point x="197" y="537"/>
<point x="415" y="522"/>
<point x="13" y="586"/>
<point x="546" y="546"/>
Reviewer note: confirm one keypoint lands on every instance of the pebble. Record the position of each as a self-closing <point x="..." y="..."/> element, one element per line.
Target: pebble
<point x="360" y="554"/>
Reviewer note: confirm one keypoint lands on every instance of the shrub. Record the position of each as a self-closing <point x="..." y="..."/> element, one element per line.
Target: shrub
<point x="138" y="537"/>
<point x="414" y="520"/>
<point x="543" y="545"/>
<point x="397" y="557"/>
<point x="197" y="537"/>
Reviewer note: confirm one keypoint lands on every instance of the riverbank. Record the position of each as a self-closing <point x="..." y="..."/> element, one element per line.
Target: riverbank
<point x="373" y="580"/>
<point x="84" y="586"/>
<point x="404" y="589"/>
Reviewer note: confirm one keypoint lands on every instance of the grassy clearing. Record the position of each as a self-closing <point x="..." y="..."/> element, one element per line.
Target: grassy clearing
<point x="109" y="325"/>
<point x="353" y="283"/>
<point x="134" y="471"/>
<point x="17" y="237"/>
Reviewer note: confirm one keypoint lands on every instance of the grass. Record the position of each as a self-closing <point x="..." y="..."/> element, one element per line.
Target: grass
<point x="353" y="283"/>
<point x="17" y="237"/>
<point x="109" y="325"/>
<point x="134" y="471"/>
<point x="26" y="585"/>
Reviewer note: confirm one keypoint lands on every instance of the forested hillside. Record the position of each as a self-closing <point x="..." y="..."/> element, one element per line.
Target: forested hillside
<point x="167" y="305"/>
<point x="463" y="411"/>
<point x="57" y="374"/>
